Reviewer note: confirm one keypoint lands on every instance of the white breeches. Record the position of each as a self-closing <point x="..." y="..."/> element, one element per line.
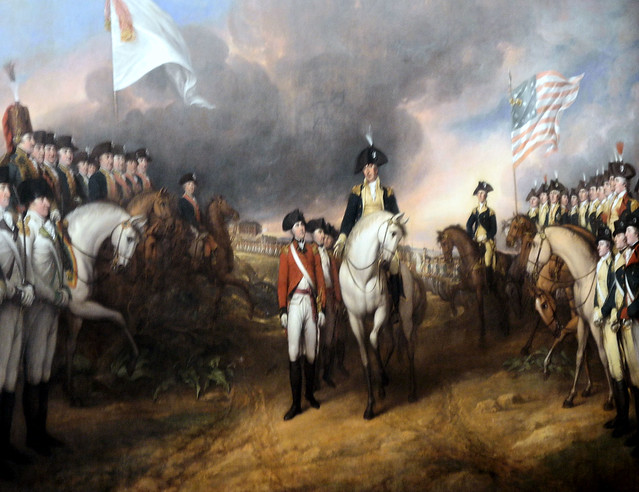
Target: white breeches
<point x="10" y="345"/>
<point x="40" y="334"/>
<point x="613" y="351"/>
<point x="301" y="328"/>
<point x="628" y="336"/>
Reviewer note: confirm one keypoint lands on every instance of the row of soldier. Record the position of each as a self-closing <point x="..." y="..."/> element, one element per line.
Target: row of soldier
<point x="598" y="201"/>
<point x="77" y="177"/>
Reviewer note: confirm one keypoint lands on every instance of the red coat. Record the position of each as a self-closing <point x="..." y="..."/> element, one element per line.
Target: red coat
<point x="337" y="292"/>
<point x="290" y="275"/>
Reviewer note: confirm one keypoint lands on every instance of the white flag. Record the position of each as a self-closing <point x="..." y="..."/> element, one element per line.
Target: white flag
<point x="153" y="40"/>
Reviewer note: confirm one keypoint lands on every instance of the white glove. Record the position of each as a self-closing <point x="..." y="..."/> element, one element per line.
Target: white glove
<point x="54" y="215"/>
<point x="284" y="320"/>
<point x="28" y="295"/>
<point x="321" y="319"/>
<point x="338" y="247"/>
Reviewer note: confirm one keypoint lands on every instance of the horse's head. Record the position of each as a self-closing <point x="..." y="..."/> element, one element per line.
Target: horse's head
<point x="539" y="253"/>
<point x="390" y="236"/>
<point x="162" y="204"/>
<point x="125" y="238"/>
<point x="447" y="245"/>
<point x="519" y="227"/>
<point x="220" y="207"/>
<point x="546" y="306"/>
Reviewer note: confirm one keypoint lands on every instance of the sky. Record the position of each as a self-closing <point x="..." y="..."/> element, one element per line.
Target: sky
<point x="297" y="84"/>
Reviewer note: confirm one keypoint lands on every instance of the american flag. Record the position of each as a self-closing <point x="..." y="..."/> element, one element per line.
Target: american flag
<point x="536" y="105"/>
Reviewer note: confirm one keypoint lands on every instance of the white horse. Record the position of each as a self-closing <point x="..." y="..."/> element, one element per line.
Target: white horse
<point x="581" y="259"/>
<point x="88" y="227"/>
<point x="370" y="245"/>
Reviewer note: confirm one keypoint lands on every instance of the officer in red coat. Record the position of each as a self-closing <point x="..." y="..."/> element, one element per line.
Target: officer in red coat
<point x="302" y="300"/>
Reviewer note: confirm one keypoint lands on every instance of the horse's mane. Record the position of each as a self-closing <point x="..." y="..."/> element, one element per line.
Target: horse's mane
<point x="365" y="222"/>
<point x="93" y="209"/>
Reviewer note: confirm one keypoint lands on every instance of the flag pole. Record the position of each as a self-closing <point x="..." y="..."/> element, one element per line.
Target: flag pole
<point x="512" y="102"/>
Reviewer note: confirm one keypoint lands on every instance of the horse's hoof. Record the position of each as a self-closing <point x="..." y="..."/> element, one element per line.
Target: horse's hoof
<point x="587" y="392"/>
<point x="369" y="414"/>
<point x="568" y="404"/>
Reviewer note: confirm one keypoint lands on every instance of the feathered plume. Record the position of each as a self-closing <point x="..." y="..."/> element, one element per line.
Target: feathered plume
<point x="10" y="68"/>
<point x="535" y="184"/>
<point x="556" y="174"/>
<point x="619" y="152"/>
<point x="545" y="178"/>
<point x="583" y="176"/>
<point x="369" y="135"/>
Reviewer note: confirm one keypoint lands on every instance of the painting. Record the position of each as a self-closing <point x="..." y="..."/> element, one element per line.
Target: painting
<point x="267" y="107"/>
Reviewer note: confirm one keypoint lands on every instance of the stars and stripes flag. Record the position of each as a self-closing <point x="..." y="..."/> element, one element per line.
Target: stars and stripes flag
<point x="145" y="37"/>
<point x="536" y="106"/>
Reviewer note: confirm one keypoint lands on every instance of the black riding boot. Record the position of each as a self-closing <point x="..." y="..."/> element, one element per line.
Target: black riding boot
<point x="309" y="374"/>
<point x="340" y="352"/>
<point x="396" y="291"/>
<point x="295" y="373"/>
<point x="9" y="452"/>
<point x="328" y="359"/>
<point x="43" y="410"/>
<point x="30" y="406"/>
<point x="620" y="424"/>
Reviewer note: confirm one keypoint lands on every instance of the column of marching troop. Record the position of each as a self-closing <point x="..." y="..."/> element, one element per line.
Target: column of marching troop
<point x="604" y="206"/>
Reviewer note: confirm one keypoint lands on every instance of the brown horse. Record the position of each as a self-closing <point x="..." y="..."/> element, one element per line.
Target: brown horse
<point x="472" y="270"/>
<point x="220" y="266"/>
<point x="158" y="242"/>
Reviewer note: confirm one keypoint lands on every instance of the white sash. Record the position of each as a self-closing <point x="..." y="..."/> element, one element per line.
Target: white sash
<point x="301" y="267"/>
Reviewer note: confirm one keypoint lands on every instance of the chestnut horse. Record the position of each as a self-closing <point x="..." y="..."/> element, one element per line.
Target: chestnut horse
<point x="473" y="270"/>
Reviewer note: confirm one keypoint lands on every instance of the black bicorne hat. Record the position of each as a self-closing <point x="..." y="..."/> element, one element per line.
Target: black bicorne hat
<point x="31" y="189"/>
<point x="482" y="186"/>
<point x="531" y="193"/>
<point x="118" y="149"/>
<point x="143" y="152"/>
<point x="603" y="233"/>
<point x="65" y="142"/>
<point x="40" y="137"/>
<point x="101" y="148"/>
<point x="50" y="139"/>
<point x="315" y="224"/>
<point x="80" y="157"/>
<point x="188" y="177"/>
<point x="555" y="185"/>
<point x="619" y="227"/>
<point x="370" y="155"/>
<point x="292" y="218"/>
<point x="331" y="231"/>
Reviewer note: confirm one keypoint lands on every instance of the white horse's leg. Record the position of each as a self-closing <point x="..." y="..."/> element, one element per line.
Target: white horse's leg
<point x="597" y="334"/>
<point x="94" y="311"/>
<point x="357" y="326"/>
<point x="379" y="320"/>
<point x="582" y="340"/>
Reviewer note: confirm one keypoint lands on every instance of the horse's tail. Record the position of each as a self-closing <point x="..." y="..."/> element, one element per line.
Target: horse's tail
<point x="419" y="309"/>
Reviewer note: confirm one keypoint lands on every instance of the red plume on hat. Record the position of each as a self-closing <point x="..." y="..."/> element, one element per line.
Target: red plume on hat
<point x="16" y="120"/>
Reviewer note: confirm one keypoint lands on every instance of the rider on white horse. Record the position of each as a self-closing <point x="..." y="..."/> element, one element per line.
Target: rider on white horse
<point x="302" y="300"/>
<point x="15" y="294"/>
<point x="366" y="198"/>
<point x="43" y="270"/>
<point x="319" y="229"/>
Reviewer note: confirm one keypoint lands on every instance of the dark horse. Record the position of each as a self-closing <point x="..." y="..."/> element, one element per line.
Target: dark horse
<point x="473" y="270"/>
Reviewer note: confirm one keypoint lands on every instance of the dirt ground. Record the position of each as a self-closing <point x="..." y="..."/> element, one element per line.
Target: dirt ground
<point x="475" y="425"/>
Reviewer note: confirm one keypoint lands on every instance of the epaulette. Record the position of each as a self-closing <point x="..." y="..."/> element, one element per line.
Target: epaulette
<point x="492" y="212"/>
<point x="389" y="191"/>
<point x="314" y="249"/>
<point x="285" y="249"/>
<point x="356" y="190"/>
<point x="24" y="226"/>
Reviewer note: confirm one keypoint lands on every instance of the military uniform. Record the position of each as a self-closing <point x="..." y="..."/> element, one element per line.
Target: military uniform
<point x="482" y="227"/>
<point x="45" y="272"/>
<point x="302" y="299"/>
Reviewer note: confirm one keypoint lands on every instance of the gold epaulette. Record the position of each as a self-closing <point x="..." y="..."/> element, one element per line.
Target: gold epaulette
<point x="389" y="191"/>
<point x="24" y="226"/>
<point x="285" y="249"/>
<point x="356" y="190"/>
<point x="314" y="249"/>
<point x="634" y="204"/>
<point x="492" y="212"/>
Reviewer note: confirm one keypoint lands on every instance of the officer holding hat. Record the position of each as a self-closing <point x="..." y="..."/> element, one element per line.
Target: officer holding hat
<point x="482" y="227"/>
<point x="301" y="297"/>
